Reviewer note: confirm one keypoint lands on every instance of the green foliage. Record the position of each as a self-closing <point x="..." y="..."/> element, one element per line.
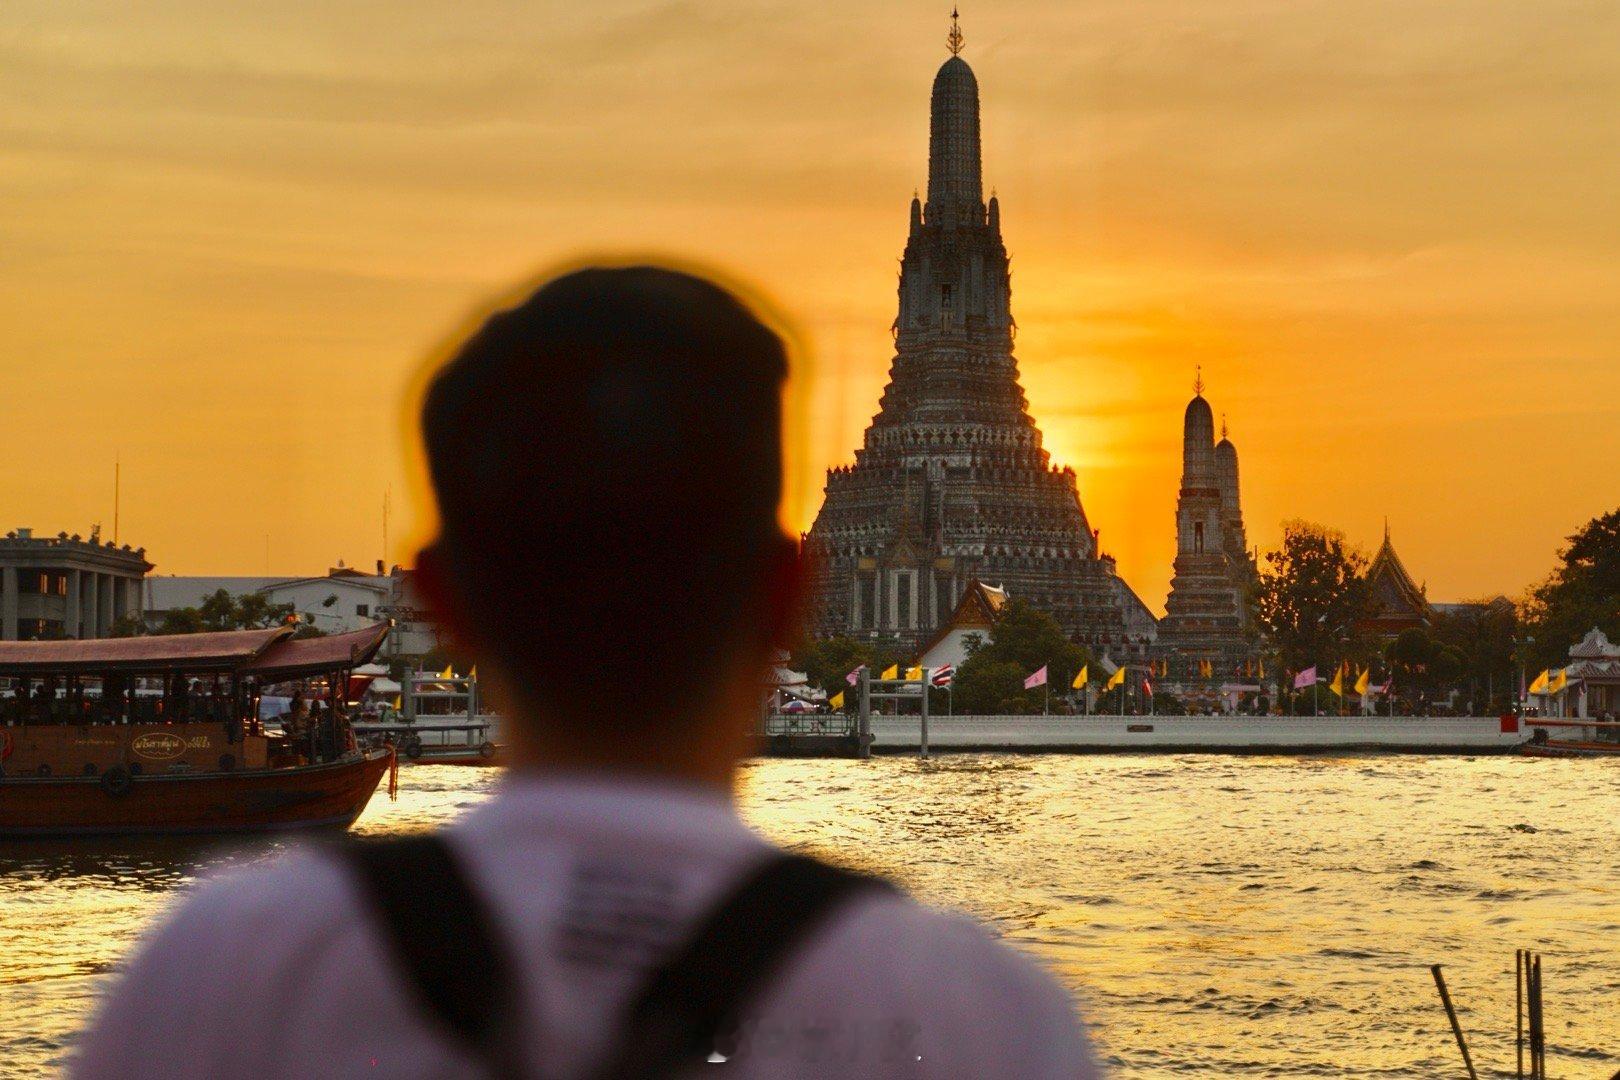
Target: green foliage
<point x="827" y="662"/>
<point x="1582" y="592"/>
<point x="1311" y="594"/>
<point x="991" y="679"/>
<point x="1487" y="637"/>
<point x="222" y="611"/>
<point x="128" y="626"/>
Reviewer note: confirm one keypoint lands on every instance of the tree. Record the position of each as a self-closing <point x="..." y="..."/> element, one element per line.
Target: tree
<point x="1582" y="592"/>
<point x="1485" y="635"/>
<point x="991" y="679"/>
<point x="128" y="626"/>
<point x="827" y="662"/>
<point x="222" y="611"/>
<point x="1311" y="595"/>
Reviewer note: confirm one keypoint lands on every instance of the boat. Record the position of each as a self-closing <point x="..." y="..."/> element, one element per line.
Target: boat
<point x="1593" y="738"/>
<point x="441" y="722"/>
<point x="161" y="734"/>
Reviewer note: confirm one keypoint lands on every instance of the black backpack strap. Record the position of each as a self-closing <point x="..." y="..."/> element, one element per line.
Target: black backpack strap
<point x="693" y="1003"/>
<point x="444" y="942"/>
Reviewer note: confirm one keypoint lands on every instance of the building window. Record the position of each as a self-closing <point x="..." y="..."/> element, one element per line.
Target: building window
<point x="868" y="586"/>
<point x="362" y="610"/>
<point x="1198" y="537"/>
<point x="902" y="600"/>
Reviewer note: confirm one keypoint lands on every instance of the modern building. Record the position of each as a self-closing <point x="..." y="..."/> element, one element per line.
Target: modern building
<point x="67" y="586"/>
<point x="1208" y="644"/>
<point x="341" y="600"/>
<point x="952" y="484"/>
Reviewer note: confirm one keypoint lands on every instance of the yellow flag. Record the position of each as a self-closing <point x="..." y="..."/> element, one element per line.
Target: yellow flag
<point x="474" y="673"/>
<point x="1116" y="679"/>
<point x="399" y="702"/>
<point x="447" y="673"/>
<point x="1082" y="680"/>
<point x="837" y="700"/>
<point x="1337" y="685"/>
<point x="913" y="674"/>
<point x="1363" y="680"/>
<point x="1539" y="686"/>
<point x="891" y="672"/>
<point x="1262" y="669"/>
<point x="1560" y="679"/>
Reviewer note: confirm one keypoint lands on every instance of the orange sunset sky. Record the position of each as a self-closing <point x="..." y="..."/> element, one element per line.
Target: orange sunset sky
<point x="230" y="233"/>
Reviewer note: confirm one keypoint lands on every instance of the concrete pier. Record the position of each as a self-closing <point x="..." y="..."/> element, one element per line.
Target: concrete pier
<point x="1202" y="734"/>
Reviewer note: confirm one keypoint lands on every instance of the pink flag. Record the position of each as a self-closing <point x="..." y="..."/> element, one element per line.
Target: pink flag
<point x="1037" y="679"/>
<point x="855" y="676"/>
<point x="1305" y="678"/>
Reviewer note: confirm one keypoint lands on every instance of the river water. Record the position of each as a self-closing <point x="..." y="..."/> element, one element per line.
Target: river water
<point x="1237" y="916"/>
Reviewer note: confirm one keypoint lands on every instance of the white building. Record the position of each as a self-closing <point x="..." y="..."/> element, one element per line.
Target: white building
<point x="343" y="599"/>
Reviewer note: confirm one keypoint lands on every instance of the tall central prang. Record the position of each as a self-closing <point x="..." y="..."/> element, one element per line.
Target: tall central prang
<point x="952" y="484"/>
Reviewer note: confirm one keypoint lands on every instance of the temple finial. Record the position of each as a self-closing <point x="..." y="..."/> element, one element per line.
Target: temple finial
<point x="1386" y="528"/>
<point x="1198" y="379"/>
<point x="1223" y="425"/>
<point x="954" y="39"/>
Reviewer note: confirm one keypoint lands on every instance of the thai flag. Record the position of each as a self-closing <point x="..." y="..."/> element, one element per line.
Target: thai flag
<point x="943" y="675"/>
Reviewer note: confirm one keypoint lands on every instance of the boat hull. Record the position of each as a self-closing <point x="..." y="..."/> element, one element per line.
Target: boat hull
<point x="330" y="795"/>
<point x="1566" y="749"/>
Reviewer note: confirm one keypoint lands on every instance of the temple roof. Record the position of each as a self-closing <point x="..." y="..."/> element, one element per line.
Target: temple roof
<point x="1393" y="588"/>
<point x="979" y="609"/>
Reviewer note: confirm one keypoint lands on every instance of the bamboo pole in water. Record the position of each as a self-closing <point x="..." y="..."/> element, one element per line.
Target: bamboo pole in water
<point x="1451" y="1014"/>
<point x="1518" y="1009"/>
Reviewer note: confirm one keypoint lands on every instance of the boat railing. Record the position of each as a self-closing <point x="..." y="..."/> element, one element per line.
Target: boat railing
<point x="810" y="724"/>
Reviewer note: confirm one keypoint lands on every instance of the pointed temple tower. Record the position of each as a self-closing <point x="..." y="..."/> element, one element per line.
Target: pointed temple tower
<point x="1207" y="637"/>
<point x="1400" y="603"/>
<point x="952" y="484"/>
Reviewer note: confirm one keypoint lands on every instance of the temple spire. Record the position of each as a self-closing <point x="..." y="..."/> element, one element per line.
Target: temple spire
<point x="954" y="172"/>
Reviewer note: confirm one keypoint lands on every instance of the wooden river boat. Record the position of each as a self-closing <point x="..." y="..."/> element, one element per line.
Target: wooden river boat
<point x="161" y="735"/>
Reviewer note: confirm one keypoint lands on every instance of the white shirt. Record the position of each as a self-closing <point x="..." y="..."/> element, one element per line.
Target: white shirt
<point x="280" y="970"/>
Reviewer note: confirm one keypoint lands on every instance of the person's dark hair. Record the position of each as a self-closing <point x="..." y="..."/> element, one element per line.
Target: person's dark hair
<point x="607" y="463"/>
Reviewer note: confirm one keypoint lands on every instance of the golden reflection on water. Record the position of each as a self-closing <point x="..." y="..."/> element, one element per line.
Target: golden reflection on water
<point x="1241" y="916"/>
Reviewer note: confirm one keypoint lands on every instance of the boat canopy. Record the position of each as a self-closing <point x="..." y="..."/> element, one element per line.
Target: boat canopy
<point x="291" y="657"/>
<point x="226" y="650"/>
<point x="268" y="654"/>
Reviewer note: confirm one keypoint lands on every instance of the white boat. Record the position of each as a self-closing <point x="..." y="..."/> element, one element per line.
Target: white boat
<point x="440" y="722"/>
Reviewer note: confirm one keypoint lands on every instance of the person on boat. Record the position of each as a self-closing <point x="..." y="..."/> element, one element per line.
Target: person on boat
<point x="606" y="458"/>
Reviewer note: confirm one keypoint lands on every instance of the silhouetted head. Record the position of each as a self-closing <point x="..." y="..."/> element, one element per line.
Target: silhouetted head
<point x="607" y="462"/>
